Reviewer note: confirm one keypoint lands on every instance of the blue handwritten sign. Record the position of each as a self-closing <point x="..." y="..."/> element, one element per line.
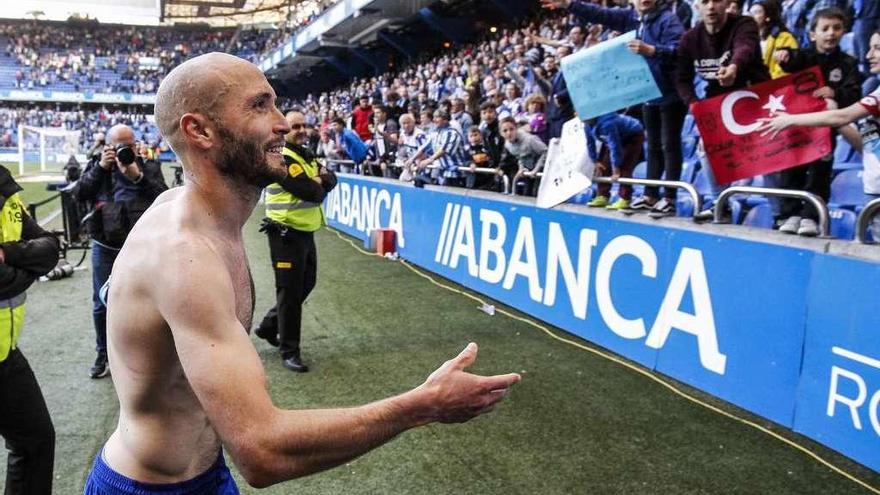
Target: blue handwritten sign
<point x="607" y="77"/>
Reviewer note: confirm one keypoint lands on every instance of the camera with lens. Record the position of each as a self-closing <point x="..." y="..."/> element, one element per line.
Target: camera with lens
<point x="125" y="154"/>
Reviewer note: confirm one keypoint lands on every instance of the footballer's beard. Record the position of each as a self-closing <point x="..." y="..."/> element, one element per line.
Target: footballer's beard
<point x="244" y="161"/>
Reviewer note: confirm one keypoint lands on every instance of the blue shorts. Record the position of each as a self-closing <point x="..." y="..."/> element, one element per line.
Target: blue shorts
<point x="105" y="481"/>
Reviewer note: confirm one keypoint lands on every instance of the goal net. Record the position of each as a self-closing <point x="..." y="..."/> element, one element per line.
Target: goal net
<point x="50" y="147"/>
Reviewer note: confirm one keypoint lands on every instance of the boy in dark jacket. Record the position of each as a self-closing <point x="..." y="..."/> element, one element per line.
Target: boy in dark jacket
<point x="480" y="157"/>
<point x="843" y="85"/>
<point x="26" y="252"/>
<point x="658" y="31"/>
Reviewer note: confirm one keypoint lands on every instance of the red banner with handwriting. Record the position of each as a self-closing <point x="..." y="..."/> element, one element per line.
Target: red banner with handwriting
<point x="728" y="125"/>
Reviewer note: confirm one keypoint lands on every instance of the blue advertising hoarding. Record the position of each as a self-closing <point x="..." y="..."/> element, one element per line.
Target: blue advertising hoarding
<point x="774" y="329"/>
<point x="839" y="397"/>
<point x="685" y="303"/>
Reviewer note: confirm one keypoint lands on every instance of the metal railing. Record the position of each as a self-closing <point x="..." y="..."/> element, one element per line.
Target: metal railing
<point x="505" y="180"/>
<point x="865" y="217"/>
<point x="339" y="161"/>
<point x="816" y="201"/>
<point x="32" y="208"/>
<point x="677" y="184"/>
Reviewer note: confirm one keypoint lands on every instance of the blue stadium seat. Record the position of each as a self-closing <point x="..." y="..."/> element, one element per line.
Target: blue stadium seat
<point x="841" y="166"/>
<point x="758" y="181"/>
<point x="843" y="223"/>
<point x="701" y="182"/>
<point x="684" y="206"/>
<point x="760" y="216"/>
<point x="736" y="211"/>
<point x="689" y="169"/>
<point x="688" y="127"/>
<point x="847" y="45"/>
<point x="582" y="197"/>
<point x="842" y="150"/>
<point x="689" y="137"/>
<point x="641" y="170"/>
<point x="847" y="190"/>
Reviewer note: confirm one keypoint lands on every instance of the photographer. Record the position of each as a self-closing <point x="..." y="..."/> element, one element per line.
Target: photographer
<point x="26" y="252"/>
<point x="122" y="185"/>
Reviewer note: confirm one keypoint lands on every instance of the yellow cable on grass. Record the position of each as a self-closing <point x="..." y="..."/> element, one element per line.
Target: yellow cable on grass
<point x="634" y="368"/>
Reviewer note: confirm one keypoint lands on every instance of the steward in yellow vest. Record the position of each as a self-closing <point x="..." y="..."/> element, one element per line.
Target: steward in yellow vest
<point x="293" y="214"/>
<point x="26" y="252"/>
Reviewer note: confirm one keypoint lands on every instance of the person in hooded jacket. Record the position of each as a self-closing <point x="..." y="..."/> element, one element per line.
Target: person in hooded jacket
<point x="658" y="31"/>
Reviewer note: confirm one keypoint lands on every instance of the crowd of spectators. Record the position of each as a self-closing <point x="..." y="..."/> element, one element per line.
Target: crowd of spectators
<point x="109" y="59"/>
<point x="86" y="55"/>
<point x="494" y="104"/>
<point x="253" y="43"/>
<point x="88" y="121"/>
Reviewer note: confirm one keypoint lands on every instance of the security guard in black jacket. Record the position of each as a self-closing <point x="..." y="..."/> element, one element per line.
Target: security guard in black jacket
<point x="294" y="213"/>
<point x="26" y="252"/>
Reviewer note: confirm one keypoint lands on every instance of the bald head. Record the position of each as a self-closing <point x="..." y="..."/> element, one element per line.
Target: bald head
<point x="200" y="85"/>
<point x="120" y="134"/>
<point x="298" y="130"/>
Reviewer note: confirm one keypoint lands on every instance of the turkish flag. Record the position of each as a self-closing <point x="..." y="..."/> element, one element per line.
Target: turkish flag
<point x="728" y="122"/>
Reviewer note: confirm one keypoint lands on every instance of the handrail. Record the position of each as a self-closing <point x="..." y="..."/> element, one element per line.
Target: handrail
<point x="821" y="207"/>
<point x="865" y="217"/>
<point x="678" y="184"/>
<point x="687" y="186"/>
<point x="481" y="170"/>
<point x="339" y="161"/>
<point x="32" y="208"/>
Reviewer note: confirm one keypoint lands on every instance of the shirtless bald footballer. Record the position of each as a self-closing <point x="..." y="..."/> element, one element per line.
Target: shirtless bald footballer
<point x="187" y="375"/>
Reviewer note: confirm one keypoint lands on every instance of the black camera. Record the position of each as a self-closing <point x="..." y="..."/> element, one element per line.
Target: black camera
<point x="125" y="154"/>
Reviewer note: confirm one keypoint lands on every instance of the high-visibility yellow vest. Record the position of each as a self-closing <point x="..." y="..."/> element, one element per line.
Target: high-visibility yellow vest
<point x="11" y="310"/>
<point x="285" y="208"/>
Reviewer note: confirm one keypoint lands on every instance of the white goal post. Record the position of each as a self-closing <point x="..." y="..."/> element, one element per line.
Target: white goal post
<point x="53" y="146"/>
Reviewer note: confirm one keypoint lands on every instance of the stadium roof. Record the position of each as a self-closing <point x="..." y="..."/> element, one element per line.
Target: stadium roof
<point x="215" y="12"/>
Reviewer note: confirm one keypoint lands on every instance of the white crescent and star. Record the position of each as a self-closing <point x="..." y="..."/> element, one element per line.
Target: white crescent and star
<point x="773" y="106"/>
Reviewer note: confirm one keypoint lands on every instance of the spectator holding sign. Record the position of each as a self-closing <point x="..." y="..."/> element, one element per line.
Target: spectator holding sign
<point x="658" y="32"/>
<point x="843" y="86"/>
<point x="622" y="138"/>
<point x="724" y="50"/>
